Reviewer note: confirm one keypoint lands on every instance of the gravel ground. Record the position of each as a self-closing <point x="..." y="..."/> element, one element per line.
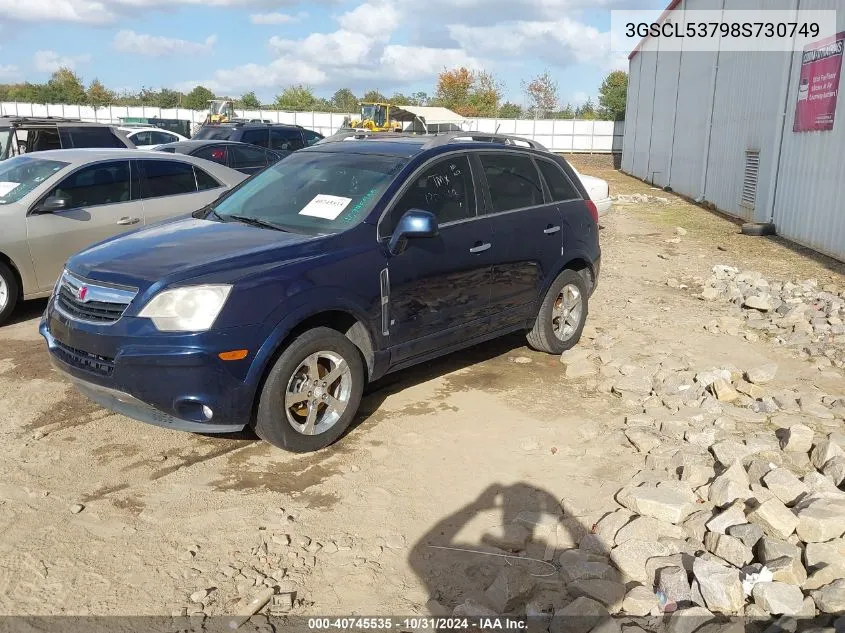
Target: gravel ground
<point x="496" y="449"/>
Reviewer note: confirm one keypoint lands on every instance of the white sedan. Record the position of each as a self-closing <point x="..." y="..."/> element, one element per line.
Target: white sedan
<point x="150" y="137"/>
<point x="599" y="191"/>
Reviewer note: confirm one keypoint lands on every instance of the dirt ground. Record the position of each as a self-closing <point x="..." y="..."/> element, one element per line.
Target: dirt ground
<point x="442" y="455"/>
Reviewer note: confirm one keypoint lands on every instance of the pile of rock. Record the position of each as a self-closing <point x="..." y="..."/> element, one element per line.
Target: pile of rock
<point x="639" y="198"/>
<point x="795" y="314"/>
<point x="713" y="526"/>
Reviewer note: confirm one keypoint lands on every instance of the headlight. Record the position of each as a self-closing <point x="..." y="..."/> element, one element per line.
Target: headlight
<point x="188" y="309"/>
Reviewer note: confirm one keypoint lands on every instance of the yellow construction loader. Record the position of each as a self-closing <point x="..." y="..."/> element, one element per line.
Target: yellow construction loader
<point x="376" y="117"/>
<point x="220" y="111"/>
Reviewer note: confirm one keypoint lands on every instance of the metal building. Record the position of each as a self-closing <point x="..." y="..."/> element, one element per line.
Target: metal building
<point x="718" y="127"/>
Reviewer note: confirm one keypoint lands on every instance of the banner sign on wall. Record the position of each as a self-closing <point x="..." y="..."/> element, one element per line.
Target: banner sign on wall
<point x="819" y="84"/>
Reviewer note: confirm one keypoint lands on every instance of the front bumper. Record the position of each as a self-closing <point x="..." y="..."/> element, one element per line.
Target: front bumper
<point x="157" y="380"/>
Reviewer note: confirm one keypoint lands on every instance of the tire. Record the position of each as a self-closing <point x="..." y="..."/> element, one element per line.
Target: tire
<point x="758" y="229"/>
<point x="290" y="376"/>
<point x="9" y="292"/>
<point x="543" y="337"/>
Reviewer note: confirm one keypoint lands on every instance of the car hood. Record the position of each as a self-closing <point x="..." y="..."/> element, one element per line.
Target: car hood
<point x="177" y="250"/>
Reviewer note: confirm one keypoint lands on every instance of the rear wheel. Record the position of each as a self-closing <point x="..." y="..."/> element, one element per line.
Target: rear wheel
<point x="9" y="292"/>
<point x="312" y="392"/>
<point x="562" y="315"/>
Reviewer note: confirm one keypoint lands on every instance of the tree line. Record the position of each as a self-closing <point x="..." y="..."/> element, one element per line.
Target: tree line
<point x="467" y="92"/>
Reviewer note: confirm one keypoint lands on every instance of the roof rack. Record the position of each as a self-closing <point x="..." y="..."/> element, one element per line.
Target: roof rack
<point x="443" y="138"/>
<point x="436" y="139"/>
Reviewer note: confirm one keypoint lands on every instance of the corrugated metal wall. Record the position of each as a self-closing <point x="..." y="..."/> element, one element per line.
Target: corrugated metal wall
<point x="670" y="138"/>
<point x="810" y="196"/>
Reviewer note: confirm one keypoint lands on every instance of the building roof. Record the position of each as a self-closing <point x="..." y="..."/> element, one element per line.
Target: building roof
<point x="430" y="114"/>
<point x="672" y="6"/>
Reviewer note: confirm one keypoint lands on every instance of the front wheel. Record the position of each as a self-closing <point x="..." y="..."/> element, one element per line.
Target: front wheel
<point x="562" y="315"/>
<point x="9" y="292"/>
<point x="312" y="392"/>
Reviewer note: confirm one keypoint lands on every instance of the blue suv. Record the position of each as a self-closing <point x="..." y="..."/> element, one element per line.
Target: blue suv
<point x="273" y="306"/>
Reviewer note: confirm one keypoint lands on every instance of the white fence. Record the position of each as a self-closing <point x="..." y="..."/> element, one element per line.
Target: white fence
<point x="560" y="135"/>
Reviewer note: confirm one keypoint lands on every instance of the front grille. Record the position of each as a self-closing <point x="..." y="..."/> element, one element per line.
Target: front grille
<point x="101" y="365"/>
<point x="85" y="301"/>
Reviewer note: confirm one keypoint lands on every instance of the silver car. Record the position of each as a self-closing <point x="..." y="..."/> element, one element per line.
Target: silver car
<point x="55" y="203"/>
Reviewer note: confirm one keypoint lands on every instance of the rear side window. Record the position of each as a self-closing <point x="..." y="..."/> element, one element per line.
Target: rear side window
<point x="89" y="137"/>
<point x="214" y="153"/>
<point x="246" y="157"/>
<point x="205" y="180"/>
<point x="311" y="137"/>
<point x="256" y="137"/>
<point x="281" y="138"/>
<point x="513" y="181"/>
<point x="445" y="189"/>
<point x="102" y="183"/>
<point x="214" y="133"/>
<point x="43" y="139"/>
<point x="166" y="178"/>
<point x="557" y="182"/>
<point x="160" y="138"/>
<point x="141" y="138"/>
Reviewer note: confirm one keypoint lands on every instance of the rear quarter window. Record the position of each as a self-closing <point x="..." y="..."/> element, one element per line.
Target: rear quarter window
<point x="557" y="182"/>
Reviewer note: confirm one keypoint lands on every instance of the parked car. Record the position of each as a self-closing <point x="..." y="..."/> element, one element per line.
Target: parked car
<point x="247" y="159"/>
<point x="23" y="135"/>
<point x="274" y="136"/>
<point x="150" y="137"/>
<point x="598" y="189"/>
<point x="273" y="306"/>
<point x="55" y="203"/>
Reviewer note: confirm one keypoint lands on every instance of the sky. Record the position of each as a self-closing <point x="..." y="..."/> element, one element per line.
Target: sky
<point x="234" y="46"/>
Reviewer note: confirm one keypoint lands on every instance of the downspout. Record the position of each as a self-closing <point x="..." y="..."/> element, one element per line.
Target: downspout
<point x="675" y="113"/>
<point x="703" y="182"/>
<point x="773" y="180"/>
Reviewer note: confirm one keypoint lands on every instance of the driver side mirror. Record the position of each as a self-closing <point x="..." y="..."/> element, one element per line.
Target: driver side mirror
<point x="414" y="223"/>
<point x="52" y="204"/>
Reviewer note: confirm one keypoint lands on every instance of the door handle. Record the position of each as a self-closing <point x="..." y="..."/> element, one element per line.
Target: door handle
<point x="550" y="230"/>
<point x="480" y="248"/>
<point x="127" y="220"/>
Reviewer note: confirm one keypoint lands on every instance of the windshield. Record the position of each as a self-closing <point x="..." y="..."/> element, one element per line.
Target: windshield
<point x="368" y="112"/>
<point x="5" y="139"/>
<point x="214" y="133"/>
<point x="314" y="192"/>
<point x="22" y="174"/>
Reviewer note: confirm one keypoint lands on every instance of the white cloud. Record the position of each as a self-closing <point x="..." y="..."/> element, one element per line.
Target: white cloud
<point x="559" y="43"/>
<point x="376" y="19"/>
<point x="277" y="18"/>
<point x="341" y="48"/>
<point x="127" y="41"/>
<point x="108" y="11"/>
<point x="51" y="61"/>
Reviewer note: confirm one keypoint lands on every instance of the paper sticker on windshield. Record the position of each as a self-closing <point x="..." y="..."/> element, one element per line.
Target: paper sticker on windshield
<point x="6" y="187"/>
<point x="325" y="206"/>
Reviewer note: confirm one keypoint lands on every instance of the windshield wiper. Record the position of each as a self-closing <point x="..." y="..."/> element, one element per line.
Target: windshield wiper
<point x="256" y="222"/>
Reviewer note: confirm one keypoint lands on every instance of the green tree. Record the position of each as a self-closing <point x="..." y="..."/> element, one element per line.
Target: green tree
<point x="250" y="101"/>
<point x="297" y="98"/>
<point x="399" y="99"/>
<point x="65" y="86"/>
<point x="198" y="98"/>
<point x="613" y="95"/>
<point x="374" y="96"/>
<point x="453" y="89"/>
<point x="419" y="98"/>
<point x="344" y="100"/>
<point x="586" y="110"/>
<point x="542" y="94"/>
<point x="567" y="112"/>
<point x="168" y="98"/>
<point x="98" y="95"/>
<point x="484" y="95"/>
<point x="510" y="110"/>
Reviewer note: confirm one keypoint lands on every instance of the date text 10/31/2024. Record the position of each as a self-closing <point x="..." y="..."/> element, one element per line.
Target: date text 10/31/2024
<point x="416" y="623"/>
